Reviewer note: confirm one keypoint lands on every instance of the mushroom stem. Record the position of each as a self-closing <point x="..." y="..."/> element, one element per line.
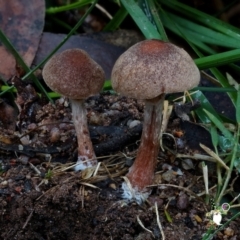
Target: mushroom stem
<point x="86" y="155"/>
<point x="141" y="174"/>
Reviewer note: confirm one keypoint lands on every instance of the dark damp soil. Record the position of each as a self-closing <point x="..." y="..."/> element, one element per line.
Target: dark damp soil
<point x="41" y="199"/>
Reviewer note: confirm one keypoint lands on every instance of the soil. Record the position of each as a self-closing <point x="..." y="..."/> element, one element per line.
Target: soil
<point x="41" y="197"/>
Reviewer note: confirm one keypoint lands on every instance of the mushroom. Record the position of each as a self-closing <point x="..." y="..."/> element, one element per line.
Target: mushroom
<point x="148" y="70"/>
<point x="73" y="74"/>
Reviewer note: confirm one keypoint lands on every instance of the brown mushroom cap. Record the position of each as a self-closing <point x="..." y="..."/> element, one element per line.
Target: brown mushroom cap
<point x="73" y="74"/>
<point x="152" y="67"/>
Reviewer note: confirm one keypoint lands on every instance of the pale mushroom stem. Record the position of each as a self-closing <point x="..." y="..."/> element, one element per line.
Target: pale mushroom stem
<point x="86" y="154"/>
<point x="141" y="174"/>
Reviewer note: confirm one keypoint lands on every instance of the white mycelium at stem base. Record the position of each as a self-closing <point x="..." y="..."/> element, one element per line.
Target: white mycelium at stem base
<point x="75" y="75"/>
<point x="86" y="155"/>
<point x="141" y="174"/>
<point x="148" y="70"/>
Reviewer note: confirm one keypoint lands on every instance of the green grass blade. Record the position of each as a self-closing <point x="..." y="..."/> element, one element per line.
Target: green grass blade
<point x="152" y="11"/>
<point x="117" y="20"/>
<point x="206" y="62"/>
<point x="188" y="35"/>
<point x="219" y="76"/>
<point x="21" y="62"/>
<point x="147" y="28"/>
<point x="208" y="20"/>
<point x="224" y="82"/>
<point x="238" y="107"/>
<point x="214" y="89"/>
<point x="8" y="88"/>
<point x="205" y="104"/>
<point x="214" y="136"/>
<point x="107" y="85"/>
<point x="205" y="34"/>
<point x="218" y="59"/>
<point x="75" y="5"/>
<point x="6" y="42"/>
<point x="61" y="23"/>
<point x="227" y="134"/>
<point x="168" y="216"/>
<point x="12" y="89"/>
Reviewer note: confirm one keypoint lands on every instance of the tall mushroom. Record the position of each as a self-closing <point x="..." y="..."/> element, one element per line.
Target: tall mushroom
<point x="73" y="74"/>
<point x="148" y="70"/>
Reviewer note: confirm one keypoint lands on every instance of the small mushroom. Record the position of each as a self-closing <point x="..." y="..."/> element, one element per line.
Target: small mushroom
<point x="73" y="74"/>
<point x="148" y="70"/>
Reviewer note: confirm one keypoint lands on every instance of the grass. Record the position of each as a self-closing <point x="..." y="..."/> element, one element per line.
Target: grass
<point x="214" y="43"/>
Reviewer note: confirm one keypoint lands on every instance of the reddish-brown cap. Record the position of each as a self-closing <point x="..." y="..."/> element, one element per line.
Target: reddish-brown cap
<point x="73" y="74"/>
<point x="152" y="67"/>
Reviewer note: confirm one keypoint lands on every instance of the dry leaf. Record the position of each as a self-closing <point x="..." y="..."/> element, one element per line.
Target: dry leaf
<point x="22" y="22"/>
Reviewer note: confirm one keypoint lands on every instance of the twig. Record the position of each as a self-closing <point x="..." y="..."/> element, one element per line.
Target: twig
<point x="196" y="156"/>
<point x="97" y="168"/>
<point x="106" y="169"/>
<point x="203" y="192"/>
<point x="158" y="222"/>
<point x="141" y="224"/>
<point x="104" y="11"/>
<point x="229" y="172"/>
<point x="215" y="156"/>
<point x="35" y="169"/>
<point x="28" y="219"/>
<point x="82" y="190"/>
<point x="234" y="200"/>
<point x="235" y="206"/>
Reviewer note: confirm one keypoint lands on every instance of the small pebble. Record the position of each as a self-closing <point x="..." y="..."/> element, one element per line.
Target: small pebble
<point x="187" y="164"/>
<point x="54" y="135"/>
<point x="66" y="104"/>
<point x="197" y="218"/>
<point x="32" y="126"/>
<point x="133" y="123"/>
<point x="229" y="232"/>
<point x="178" y="216"/>
<point x="25" y="140"/>
<point x="168" y="175"/>
<point x="23" y="159"/>
<point x="177" y="171"/>
<point x="157" y="178"/>
<point x="28" y="176"/>
<point x="154" y="199"/>
<point x="95" y="119"/>
<point x="180" y="143"/>
<point x="20" y="211"/>
<point x="166" y="166"/>
<point x="20" y="147"/>
<point x="183" y="201"/>
<point x="4" y="183"/>
<point x="60" y="101"/>
<point x="116" y="106"/>
<point x="113" y="186"/>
